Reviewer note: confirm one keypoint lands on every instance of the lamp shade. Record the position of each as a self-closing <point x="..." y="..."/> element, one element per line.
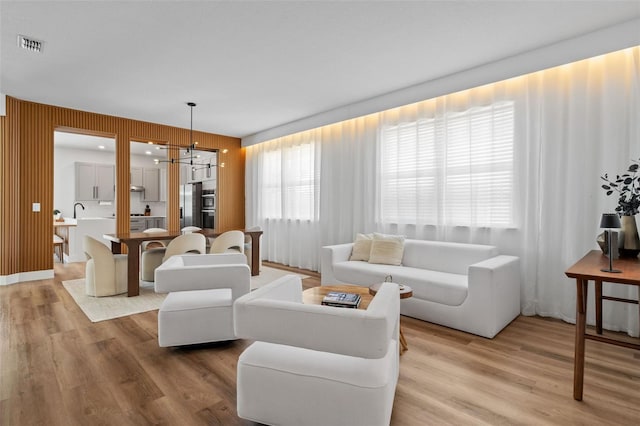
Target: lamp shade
<point x="610" y="220"/>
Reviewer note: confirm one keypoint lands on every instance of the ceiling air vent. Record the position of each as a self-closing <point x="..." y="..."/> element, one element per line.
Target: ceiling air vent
<point x="30" y="44"/>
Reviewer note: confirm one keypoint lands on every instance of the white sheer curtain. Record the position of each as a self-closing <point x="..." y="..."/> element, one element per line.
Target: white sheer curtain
<point x="282" y="188"/>
<point x="570" y="125"/>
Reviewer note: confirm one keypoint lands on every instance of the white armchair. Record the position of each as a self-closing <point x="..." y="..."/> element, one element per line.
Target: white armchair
<point x="203" y="288"/>
<point x="313" y="364"/>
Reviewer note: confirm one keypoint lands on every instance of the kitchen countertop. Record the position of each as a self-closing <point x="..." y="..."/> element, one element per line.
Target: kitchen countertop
<point x="67" y="223"/>
<point x="147" y="217"/>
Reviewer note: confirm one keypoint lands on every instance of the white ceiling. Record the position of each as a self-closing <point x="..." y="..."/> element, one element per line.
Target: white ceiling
<point x="251" y="66"/>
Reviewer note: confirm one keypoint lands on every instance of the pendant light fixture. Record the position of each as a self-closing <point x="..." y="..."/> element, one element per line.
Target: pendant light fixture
<point x="190" y="151"/>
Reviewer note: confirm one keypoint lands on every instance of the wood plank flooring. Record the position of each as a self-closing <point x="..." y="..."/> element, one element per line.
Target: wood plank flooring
<point x="58" y="368"/>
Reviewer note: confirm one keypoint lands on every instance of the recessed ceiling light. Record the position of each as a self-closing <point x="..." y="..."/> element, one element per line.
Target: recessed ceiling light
<point x="148" y="152"/>
<point x="101" y="146"/>
<point x="224" y="151"/>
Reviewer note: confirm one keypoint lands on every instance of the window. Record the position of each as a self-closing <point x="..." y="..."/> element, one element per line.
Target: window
<point x="455" y="170"/>
<point x="288" y="183"/>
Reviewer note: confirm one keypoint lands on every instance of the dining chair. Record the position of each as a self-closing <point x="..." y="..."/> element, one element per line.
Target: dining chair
<point x="186" y="243"/>
<point x="190" y="229"/>
<point x="228" y="242"/>
<point x="105" y="272"/>
<point x="153" y="244"/>
<point x="153" y="251"/>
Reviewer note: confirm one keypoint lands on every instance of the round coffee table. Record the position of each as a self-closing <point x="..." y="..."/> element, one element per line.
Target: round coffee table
<point x="405" y="293"/>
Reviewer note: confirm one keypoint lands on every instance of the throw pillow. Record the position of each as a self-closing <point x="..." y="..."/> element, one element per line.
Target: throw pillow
<point x="361" y="247"/>
<point x="387" y="249"/>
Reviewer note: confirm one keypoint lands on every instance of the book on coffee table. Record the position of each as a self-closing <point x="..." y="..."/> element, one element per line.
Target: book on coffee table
<point x="342" y="300"/>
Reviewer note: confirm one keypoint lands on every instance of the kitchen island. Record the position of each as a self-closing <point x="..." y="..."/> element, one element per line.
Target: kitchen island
<point x="94" y="227"/>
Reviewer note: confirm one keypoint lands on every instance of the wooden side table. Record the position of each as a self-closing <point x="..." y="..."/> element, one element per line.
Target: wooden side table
<point x="405" y="293"/>
<point x="586" y="269"/>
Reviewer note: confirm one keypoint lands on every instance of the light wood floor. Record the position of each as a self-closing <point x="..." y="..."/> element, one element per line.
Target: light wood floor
<point x="58" y="368"/>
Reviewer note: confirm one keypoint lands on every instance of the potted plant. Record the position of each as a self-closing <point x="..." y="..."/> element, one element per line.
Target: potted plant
<point x="627" y="187"/>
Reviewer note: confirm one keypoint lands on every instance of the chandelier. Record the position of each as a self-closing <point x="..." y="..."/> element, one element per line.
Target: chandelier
<point x="190" y="157"/>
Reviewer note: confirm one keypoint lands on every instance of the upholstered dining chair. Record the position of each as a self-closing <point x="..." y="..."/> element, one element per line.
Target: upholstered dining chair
<point x="190" y="229"/>
<point x="152" y="253"/>
<point x="313" y="364"/>
<point x="186" y="243"/>
<point x="228" y="242"/>
<point x="105" y="272"/>
<point x="153" y="243"/>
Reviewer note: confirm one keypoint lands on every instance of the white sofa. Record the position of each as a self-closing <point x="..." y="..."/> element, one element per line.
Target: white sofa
<point x="468" y="287"/>
<point x="316" y="365"/>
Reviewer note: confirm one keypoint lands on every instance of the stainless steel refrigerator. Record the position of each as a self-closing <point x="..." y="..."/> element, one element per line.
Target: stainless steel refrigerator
<point x="191" y="205"/>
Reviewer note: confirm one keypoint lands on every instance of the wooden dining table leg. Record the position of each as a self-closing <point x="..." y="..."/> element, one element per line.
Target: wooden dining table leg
<point x="582" y="286"/>
<point x="255" y="253"/>
<point x="133" y="269"/>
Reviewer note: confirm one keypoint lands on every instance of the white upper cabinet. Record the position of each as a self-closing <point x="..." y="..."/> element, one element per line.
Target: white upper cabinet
<point x="136" y="176"/>
<point x="95" y="182"/>
<point x="151" y="183"/>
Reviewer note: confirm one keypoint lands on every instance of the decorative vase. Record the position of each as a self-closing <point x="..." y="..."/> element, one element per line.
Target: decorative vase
<point x="631" y="245"/>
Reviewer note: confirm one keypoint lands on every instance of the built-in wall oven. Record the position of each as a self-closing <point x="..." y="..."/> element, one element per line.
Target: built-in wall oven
<point x="208" y="199"/>
<point x="209" y="208"/>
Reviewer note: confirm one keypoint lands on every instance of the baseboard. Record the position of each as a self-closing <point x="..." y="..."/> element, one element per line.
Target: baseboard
<point x="26" y="276"/>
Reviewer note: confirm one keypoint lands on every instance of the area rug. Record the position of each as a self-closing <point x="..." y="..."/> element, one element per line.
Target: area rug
<point x="104" y="308"/>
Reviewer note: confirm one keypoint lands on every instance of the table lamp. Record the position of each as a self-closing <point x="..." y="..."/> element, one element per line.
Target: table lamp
<point x="609" y="221"/>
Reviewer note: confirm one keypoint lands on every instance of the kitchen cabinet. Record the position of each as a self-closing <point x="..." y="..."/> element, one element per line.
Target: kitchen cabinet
<point x="137" y="224"/>
<point x="136" y="176"/>
<point x="95" y="182"/>
<point x="155" y="222"/>
<point x="141" y="223"/>
<point x="151" y="183"/>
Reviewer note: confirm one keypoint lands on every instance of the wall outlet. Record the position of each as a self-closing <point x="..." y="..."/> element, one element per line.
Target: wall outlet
<point x="35" y="207"/>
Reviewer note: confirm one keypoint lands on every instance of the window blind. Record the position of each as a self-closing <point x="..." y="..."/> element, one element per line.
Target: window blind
<point x="455" y="169"/>
<point x="288" y="188"/>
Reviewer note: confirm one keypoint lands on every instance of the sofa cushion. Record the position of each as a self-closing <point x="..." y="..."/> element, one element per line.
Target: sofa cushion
<point x="435" y="286"/>
<point x="445" y="257"/>
<point x="386" y="249"/>
<point x="361" y="247"/>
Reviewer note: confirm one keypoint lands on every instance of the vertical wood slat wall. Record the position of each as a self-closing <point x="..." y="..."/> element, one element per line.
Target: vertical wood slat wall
<point x="26" y="161"/>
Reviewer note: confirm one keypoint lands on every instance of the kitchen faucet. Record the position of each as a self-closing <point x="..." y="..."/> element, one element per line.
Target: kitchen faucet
<point x="74" y="208"/>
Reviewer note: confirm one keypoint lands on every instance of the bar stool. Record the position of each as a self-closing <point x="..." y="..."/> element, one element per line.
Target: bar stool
<point x="58" y="247"/>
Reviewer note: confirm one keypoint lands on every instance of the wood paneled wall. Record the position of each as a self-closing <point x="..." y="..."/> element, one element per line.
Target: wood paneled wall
<point x="26" y="161"/>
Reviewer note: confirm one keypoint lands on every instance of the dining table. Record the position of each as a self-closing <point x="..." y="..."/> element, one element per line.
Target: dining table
<point x="133" y="241"/>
